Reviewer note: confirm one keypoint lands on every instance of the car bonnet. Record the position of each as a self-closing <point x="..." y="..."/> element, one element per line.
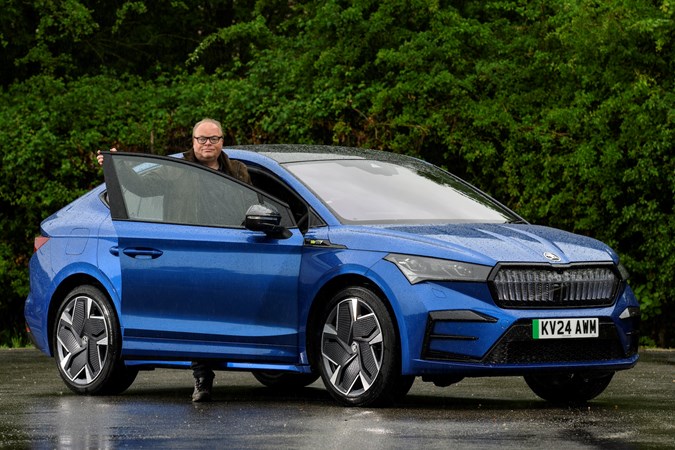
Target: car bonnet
<point x="489" y="243"/>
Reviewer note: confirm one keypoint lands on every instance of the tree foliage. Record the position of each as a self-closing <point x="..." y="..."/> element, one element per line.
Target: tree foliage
<point x="561" y="109"/>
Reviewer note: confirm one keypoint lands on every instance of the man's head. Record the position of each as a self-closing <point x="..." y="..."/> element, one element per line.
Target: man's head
<point x="211" y="133"/>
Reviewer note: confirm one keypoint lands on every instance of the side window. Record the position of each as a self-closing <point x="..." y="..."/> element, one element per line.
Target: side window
<point x="141" y="206"/>
<point x="172" y="191"/>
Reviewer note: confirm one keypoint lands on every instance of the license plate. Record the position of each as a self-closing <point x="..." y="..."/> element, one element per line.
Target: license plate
<point x="565" y="328"/>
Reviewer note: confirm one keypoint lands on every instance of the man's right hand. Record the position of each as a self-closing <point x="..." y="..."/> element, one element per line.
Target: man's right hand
<point x="99" y="157"/>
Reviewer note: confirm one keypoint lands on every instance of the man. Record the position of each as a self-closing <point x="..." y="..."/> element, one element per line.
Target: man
<point x="207" y="149"/>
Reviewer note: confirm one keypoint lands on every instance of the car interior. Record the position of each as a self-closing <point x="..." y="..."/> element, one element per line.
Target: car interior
<point x="271" y="185"/>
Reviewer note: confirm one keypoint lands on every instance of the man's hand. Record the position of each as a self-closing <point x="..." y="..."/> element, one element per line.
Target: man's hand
<point x="99" y="157"/>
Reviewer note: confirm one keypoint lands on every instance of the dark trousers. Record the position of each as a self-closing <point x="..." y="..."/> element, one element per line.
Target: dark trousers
<point x="202" y="369"/>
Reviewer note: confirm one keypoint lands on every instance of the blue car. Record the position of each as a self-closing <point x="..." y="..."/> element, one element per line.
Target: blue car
<point x="365" y="268"/>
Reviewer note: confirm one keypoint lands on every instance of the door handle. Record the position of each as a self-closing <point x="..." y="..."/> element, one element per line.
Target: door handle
<point x="142" y="253"/>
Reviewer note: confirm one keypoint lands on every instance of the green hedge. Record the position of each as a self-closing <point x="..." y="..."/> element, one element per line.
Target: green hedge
<point x="562" y="110"/>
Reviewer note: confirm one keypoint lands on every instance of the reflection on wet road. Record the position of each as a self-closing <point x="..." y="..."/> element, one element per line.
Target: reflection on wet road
<point x="38" y="411"/>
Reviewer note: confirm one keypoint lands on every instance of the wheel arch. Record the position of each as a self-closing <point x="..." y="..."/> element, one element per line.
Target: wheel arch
<point x="324" y="295"/>
<point x="68" y="284"/>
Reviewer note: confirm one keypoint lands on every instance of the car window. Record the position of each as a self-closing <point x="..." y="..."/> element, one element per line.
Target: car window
<point x="167" y="190"/>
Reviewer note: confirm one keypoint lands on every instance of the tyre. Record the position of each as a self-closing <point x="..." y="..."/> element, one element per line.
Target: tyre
<point x="569" y="387"/>
<point x="403" y="386"/>
<point x="87" y="344"/>
<point x="360" y="356"/>
<point x="285" y="380"/>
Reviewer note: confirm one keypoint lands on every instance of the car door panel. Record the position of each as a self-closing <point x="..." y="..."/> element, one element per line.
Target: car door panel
<point x="191" y="290"/>
<point x="217" y="287"/>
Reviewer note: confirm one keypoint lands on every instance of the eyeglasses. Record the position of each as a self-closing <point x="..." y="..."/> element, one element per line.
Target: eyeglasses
<point x="211" y="139"/>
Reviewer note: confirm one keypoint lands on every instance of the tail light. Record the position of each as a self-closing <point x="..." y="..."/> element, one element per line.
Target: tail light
<point x="39" y="242"/>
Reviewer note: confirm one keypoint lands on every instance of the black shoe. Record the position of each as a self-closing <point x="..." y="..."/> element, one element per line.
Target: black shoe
<point x="202" y="392"/>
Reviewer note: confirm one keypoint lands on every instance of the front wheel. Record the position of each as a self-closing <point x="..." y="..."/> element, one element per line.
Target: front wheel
<point x="359" y="351"/>
<point x="87" y="344"/>
<point x="569" y="387"/>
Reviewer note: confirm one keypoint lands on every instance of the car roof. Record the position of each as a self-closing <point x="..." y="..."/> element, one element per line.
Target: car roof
<point x="286" y="153"/>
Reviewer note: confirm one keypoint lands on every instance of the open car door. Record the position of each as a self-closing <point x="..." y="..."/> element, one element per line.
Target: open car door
<point x="195" y="282"/>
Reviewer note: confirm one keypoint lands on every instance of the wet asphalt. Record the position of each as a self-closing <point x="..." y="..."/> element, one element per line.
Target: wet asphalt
<point x="637" y="411"/>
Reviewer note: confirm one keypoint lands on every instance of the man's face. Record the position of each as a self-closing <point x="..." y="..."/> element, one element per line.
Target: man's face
<point x="207" y="153"/>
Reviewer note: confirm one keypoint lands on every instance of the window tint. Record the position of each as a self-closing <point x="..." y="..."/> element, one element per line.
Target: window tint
<point x="162" y="190"/>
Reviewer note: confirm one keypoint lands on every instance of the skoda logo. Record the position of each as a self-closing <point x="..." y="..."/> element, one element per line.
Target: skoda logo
<point x="551" y="256"/>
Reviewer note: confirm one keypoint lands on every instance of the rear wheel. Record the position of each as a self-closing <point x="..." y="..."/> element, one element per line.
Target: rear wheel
<point x="285" y="380"/>
<point x="569" y="387"/>
<point x="87" y="344"/>
<point x="360" y="356"/>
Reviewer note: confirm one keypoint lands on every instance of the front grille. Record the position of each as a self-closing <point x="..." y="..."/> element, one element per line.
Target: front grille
<point x="518" y="347"/>
<point x="554" y="287"/>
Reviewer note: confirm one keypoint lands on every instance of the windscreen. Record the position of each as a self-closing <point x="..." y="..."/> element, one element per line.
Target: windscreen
<point x="378" y="192"/>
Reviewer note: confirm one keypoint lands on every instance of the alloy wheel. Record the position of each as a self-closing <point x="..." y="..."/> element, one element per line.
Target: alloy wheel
<point x="82" y="340"/>
<point x="352" y="347"/>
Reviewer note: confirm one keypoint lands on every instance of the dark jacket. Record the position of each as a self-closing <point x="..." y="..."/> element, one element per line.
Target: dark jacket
<point x="235" y="169"/>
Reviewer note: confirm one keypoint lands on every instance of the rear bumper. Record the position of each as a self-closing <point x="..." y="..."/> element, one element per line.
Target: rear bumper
<point x="31" y="336"/>
<point x="35" y="325"/>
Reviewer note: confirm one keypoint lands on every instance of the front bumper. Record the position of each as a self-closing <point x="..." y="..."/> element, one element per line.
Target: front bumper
<point x="457" y="329"/>
<point x="517" y="346"/>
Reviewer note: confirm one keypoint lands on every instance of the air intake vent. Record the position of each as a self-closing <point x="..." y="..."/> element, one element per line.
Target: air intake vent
<point x="554" y="287"/>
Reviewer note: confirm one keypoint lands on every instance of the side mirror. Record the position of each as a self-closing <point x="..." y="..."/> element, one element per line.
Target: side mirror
<point x="262" y="218"/>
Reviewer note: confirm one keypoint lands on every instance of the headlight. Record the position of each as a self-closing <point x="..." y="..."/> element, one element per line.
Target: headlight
<point x="419" y="268"/>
